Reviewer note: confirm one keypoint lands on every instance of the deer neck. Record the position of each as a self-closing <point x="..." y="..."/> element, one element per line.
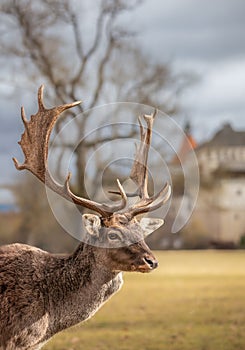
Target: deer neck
<point x="85" y="267"/>
<point x="91" y="262"/>
<point x="81" y="283"/>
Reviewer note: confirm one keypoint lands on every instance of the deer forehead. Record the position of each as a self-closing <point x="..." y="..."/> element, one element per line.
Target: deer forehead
<point x="119" y="220"/>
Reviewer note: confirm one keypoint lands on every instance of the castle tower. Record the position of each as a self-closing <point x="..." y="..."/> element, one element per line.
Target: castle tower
<point x="187" y="144"/>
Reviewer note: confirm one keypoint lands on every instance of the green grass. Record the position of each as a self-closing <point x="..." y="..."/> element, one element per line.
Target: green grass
<point x="195" y="300"/>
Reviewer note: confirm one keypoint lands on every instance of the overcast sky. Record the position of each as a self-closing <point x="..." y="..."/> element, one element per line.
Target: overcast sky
<point x="204" y="37"/>
<point x="208" y="38"/>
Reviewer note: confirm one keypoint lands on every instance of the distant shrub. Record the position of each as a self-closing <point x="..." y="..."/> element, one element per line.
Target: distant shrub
<point x="242" y="242"/>
<point x="194" y="236"/>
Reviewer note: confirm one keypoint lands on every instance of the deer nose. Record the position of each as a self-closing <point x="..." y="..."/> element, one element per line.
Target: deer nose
<point x="151" y="262"/>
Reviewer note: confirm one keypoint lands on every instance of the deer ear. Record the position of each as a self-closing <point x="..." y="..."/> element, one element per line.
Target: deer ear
<point x="149" y="225"/>
<point x="92" y="224"/>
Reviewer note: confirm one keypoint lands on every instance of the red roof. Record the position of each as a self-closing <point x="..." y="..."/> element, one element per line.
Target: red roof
<point x="187" y="145"/>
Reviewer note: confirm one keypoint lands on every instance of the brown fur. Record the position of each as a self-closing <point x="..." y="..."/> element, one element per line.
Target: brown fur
<point x="41" y="293"/>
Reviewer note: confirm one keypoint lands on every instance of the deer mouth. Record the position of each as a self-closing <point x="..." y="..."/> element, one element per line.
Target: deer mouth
<point x="148" y="265"/>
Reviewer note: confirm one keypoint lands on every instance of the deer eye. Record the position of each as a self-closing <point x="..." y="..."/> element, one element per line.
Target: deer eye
<point x="113" y="236"/>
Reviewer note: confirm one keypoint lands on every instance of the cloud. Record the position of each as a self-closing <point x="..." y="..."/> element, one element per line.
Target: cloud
<point x="190" y="28"/>
<point x="221" y="88"/>
<point x="204" y="37"/>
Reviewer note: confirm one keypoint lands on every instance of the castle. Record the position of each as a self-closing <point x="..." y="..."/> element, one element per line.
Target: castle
<point x="219" y="215"/>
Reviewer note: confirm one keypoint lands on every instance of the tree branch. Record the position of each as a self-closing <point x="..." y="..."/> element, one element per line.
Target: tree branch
<point x="86" y="57"/>
<point x="93" y="143"/>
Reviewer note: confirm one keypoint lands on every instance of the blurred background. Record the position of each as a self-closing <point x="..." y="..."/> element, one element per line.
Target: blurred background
<point x="185" y="58"/>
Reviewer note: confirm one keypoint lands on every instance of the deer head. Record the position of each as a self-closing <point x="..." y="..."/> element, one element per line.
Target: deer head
<point x="116" y="226"/>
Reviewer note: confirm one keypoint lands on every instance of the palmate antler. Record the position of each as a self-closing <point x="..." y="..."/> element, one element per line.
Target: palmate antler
<point x="34" y="143"/>
<point x="139" y="174"/>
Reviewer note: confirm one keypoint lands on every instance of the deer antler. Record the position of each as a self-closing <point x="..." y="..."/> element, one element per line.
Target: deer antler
<point x="139" y="174"/>
<point x="34" y="143"/>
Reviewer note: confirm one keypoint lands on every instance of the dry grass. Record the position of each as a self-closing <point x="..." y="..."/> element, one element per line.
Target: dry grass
<point x="194" y="301"/>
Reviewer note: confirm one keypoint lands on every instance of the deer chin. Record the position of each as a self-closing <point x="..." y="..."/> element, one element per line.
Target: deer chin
<point x="141" y="268"/>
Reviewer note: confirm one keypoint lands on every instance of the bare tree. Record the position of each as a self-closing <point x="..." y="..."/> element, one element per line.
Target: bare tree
<point x="82" y="49"/>
<point x="105" y="67"/>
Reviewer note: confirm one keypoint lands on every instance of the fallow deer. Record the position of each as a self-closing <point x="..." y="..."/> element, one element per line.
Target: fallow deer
<point x="42" y="294"/>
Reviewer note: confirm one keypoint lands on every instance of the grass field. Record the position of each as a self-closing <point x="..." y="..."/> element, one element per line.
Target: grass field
<point x="195" y="300"/>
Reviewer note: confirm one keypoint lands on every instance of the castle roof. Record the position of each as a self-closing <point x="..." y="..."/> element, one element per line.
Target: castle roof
<point x="228" y="145"/>
<point x="188" y="144"/>
<point x="226" y="136"/>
